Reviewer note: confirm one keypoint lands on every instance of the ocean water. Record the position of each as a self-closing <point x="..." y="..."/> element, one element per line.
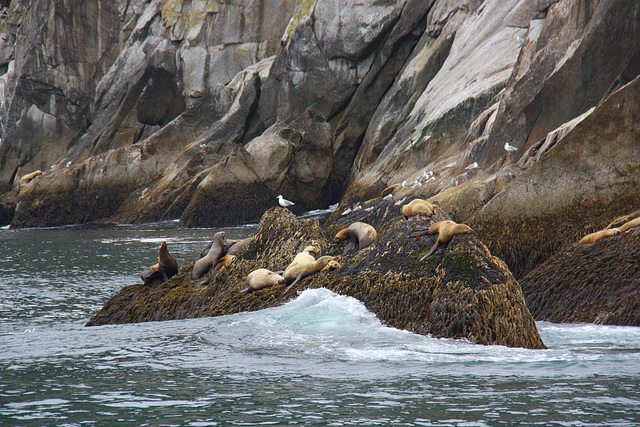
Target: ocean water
<point x="321" y="359"/>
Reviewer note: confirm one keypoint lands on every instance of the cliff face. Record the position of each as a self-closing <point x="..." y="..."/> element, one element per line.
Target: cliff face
<point x="205" y="111"/>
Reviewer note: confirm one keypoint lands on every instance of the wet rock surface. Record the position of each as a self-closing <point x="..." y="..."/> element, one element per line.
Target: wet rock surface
<point x="460" y="292"/>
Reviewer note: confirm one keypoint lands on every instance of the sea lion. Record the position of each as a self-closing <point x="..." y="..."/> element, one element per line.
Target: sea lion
<point x="307" y="256"/>
<point x="342" y="235"/>
<point x="361" y="233"/>
<point x="417" y="206"/>
<point x="598" y="235"/>
<point x="164" y="269"/>
<point x="29" y="177"/>
<point x="222" y="263"/>
<point x="324" y="263"/>
<point x="446" y="230"/>
<point x="204" y="264"/>
<point x="260" y="279"/>
<point x="388" y="190"/>
<point x="629" y="224"/>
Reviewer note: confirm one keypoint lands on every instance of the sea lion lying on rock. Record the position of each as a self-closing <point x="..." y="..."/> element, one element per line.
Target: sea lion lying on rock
<point x="324" y="263"/>
<point x="417" y="206"/>
<point x="361" y="233"/>
<point x="164" y="269"/>
<point x="302" y="259"/>
<point x="446" y="230"/>
<point x="599" y="235"/>
<point x="629" y="224"/>
<point x="260" y="279"/>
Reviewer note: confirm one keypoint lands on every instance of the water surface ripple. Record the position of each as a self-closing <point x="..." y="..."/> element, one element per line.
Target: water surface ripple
<point x="321" y="359"/>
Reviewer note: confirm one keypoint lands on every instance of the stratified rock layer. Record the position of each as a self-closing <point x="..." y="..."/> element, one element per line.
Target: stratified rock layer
<point x="460" y="292"/>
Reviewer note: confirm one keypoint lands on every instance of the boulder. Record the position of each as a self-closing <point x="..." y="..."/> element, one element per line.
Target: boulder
<point x="462" y="291"/>
<point x="594" y="283"/>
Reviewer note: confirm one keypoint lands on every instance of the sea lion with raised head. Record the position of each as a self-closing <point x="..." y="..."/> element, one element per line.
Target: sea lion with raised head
<point x="204" y="264"/>
<point x="230" y="251"/>
<point x="446" y="231"/>
<point x="360" y="233"/>
<point x="260" y="279"/>
<point x="417" y="206"/>
<point x="166" y="267"/>
<point x="324" y="263"/>
<point x="599" y="235"/>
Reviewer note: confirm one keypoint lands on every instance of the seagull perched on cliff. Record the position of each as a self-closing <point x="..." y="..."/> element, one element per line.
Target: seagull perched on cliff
<point x="509" y="147"/>
<point x="472" y="166"/>
<point x="284" y="202"/>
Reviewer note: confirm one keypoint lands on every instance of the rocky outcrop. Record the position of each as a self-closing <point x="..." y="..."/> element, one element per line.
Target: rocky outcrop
<point x="206" y="111"/>
<point x="460" y="292"/>
<point x="595" y="283"/>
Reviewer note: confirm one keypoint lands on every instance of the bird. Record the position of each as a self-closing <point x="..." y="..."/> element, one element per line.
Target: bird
<point x="509" y="147"/>
<point x="284" y="202"/>
<point x="472" y="166"/>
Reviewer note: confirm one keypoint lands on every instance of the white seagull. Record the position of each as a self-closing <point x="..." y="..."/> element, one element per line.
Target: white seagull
<point x="509" y="147"/>
<point x="284" y="202"/>
<point x="472" y="166"/>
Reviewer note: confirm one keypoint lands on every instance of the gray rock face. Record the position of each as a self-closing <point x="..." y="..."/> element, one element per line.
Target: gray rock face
<point x="206" y="111"/>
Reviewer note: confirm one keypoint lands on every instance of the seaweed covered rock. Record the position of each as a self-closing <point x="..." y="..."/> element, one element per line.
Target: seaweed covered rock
<point x="594" y="283"/>
<point x="459" y="292"/>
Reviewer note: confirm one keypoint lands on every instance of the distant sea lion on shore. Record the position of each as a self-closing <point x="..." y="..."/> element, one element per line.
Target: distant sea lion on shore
<point x="629" y="224"/>
<point x="164" y="269"/>
<point x="260" y="279"/>
<point x="29" y="177"/>
<point x="446" y="231"/>
<point x="360" y="233"/>
<point x="417" y="206"/>
<point x="324" y="263"/>
<point x="204" y="264"/>
<point x="389" y="190"/>
<point x="599" y="235"/>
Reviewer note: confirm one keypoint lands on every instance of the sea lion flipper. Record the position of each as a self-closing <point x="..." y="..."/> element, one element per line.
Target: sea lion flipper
<point x="248" y="289"/>
<point x="301" y="276"/>
<point x="280" y="272"/>
<point x="164" y="275"/>
<point x="350" y="246"/>
<point x="433" y="249"/>
<point x="419" y="232"/>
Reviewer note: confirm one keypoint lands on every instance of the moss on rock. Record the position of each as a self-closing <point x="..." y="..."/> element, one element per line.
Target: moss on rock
<point x="459" y="292"/>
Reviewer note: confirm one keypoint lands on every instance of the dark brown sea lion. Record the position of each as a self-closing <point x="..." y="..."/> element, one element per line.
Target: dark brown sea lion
<point x="260" y="279"/>
<point x="204" y="264"/>
<point x="164" y="269"/>
<point x="324" y="263"/>
<point x="446" y="230"/>
<point x="360" y="233"/>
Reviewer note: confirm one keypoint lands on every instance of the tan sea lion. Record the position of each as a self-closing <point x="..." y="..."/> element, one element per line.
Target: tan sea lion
<point x="361" y="233"/>
<point x="599" y="235"/>
<point x="446" y="230"/>
<point x="307" y="256"/>
<point x="389" y="190"/>
<point x="164" y="269"/>
<point x="629" y="224"/>
<point x="204" y="264"/>
<point x="29" y="177"/>
<point x="342" y="235"/>
<point x="324" y="263"/>
<point x="417" y="206"/>
<point x="260" y="279"/>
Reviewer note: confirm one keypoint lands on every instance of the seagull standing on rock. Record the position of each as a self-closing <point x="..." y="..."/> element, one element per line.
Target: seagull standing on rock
<point x="509" y="147"/>
<point x="284" y="202"/>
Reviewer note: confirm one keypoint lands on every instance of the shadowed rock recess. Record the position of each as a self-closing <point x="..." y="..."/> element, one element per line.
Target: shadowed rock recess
<point x="460" y="292"/>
